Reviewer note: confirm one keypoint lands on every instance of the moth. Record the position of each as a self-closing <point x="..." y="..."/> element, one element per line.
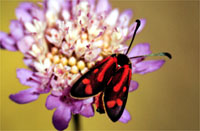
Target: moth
<point x="109" y="79"/>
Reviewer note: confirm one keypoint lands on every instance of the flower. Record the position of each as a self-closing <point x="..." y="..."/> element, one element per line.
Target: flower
<point x="61" y="40"/>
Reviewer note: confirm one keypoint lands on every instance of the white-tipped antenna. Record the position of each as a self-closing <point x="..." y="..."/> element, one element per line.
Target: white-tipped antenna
<point x="137" y="27"/>
<point x="155" y="54"/>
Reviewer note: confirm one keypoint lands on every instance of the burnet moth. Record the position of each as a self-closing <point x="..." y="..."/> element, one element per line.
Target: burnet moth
<point x="109" y="81"/>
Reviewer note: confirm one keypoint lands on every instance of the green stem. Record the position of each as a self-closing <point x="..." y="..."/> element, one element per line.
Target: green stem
<point x="76" y="121"/>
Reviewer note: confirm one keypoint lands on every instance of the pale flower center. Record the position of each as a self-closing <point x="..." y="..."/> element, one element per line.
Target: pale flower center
<point x="71" y="46"/>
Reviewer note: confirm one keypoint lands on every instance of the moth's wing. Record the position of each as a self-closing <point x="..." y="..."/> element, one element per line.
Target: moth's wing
<point x="116" y="93"/>
<point x="95" y="79"/>
<point x="99" y="103"/>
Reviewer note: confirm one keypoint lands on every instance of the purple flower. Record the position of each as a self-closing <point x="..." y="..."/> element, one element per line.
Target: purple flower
<point x="63" y="40"/>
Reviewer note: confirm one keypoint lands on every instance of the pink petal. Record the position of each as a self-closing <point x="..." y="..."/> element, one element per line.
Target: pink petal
<point x="74" y="9"/>
<point x="148" y="66"/>
<point x="55" y="5"/>
<point x="52" y="102"/>
<point x="61" y="117"/>
<point x="23" y="15"/>
<point x="37" y="13"/>
<point x="125" y="117"/>
<point x="132" y="28"/>
<point x="88" y="101"/>
<point x="25" y="44"/>
<point x="56" y="93"/>
<point x="16" y="29"/>
<point x="26" y="5"/>
<point x="2" y="35"/>
<point x="103" y="6"/>
<point x="133" y="86"/>
<point x="92" y="55"/>
<point x="139" y="50"/>
<point x="77" y="106"/>
<point x="92" y="4"/>
<point x="8" y="42"/>
<point x="112" y="17"/>
<point x="142" y="25"/>
<point x="27" y="77"/>
<point x="25" y="96"/>
<point x="31" y="10"/>
<point x="28" y="62"/>
<point x="125" y="17"/>
<point x="87" y="110"/>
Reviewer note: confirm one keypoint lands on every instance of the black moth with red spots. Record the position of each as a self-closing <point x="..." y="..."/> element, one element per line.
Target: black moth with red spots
<point x="111" y="76"/>
<point x="109" y="81"/>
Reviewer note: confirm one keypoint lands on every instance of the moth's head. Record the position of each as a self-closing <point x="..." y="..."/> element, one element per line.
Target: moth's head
<point x="123" y="60"/>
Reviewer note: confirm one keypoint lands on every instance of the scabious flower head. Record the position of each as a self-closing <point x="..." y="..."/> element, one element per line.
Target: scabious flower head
<point x="63" y="39"/>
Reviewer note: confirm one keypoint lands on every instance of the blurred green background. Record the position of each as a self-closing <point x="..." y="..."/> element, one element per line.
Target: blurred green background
<point x="167" y="99"/>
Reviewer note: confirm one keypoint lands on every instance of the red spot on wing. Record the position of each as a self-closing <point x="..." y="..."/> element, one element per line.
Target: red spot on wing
<point x="104" y="60"/>
<point x="125" y="73"/>
<point x="119" y="102"/>
<point x="88" y="89"/>
<point x="117" y="87"/>
<point x="107" y="65"/>
<point x="96" y="70"/>
<point x="111" y="104"/>
<point x="124" y="89"/>
<point x="126" y="66"/>
<point x="86" y="81"/>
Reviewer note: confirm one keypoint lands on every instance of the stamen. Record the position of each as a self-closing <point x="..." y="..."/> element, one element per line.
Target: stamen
<point x="81" y="65"/>
<point x="64" y="60"/>
<point x="54" y="50"/>
<point x="72" y="61"/>
<point x="56" y="59"/>
<point x="90" y="64"/>
<point x="74" y="69"/>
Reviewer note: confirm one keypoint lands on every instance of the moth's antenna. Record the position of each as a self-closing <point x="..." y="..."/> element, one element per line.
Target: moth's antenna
<point x="155" y="54"/>
<point x="137" y="26"/>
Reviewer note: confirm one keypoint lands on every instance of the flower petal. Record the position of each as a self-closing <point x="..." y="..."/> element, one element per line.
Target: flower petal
<point x="92" y="4"/>
<point x="55" y="5"/>
<point x="92" y="54"/>
<point x="133" y="26"/>
<point x="142" y="25"/>
<point x="77" y="106"/>
<point x="140" y="49"/>
<point x="7" y="42"/>
<point x="26" y="77"/>
<point x="2" y="35"/>
<point x="148" y="66"/>
<point x="112" y="17"/>
<point x="103" y="6"/>
<point x="88" y="101"/>
<point x="16" y="29"/>
<point x="125" y="17"/>
<point x="125" y="117"/>
<point x="26" y="5"/>
<point x="133" y="86"/>
<point x="61" y="117"/>
<point x="25" y="96"/>
<point x="25" y="44"/>
<point x="37" y="13"/>
<point x="87" y="110"/>
<point x="28" y="62"/>
<point x="52" y="102"/>
<point x="23" y="15"/>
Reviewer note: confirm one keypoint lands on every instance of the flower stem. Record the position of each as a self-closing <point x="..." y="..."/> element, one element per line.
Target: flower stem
<point x="76" y="122"/>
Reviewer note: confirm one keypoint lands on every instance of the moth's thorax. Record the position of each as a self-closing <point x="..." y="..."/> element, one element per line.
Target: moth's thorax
<point x="122" y="59"/>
